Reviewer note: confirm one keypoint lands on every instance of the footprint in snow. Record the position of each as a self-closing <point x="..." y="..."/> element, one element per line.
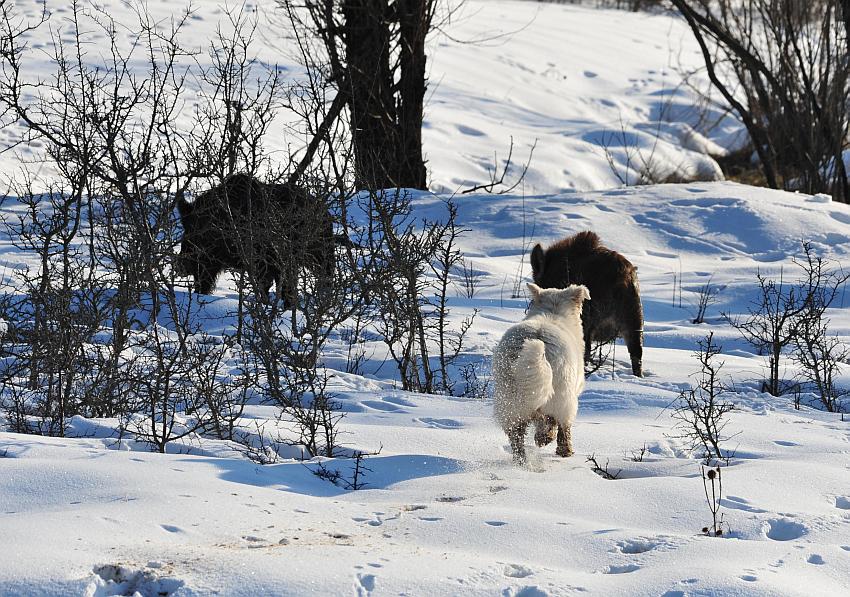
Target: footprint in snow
<point x="468" y="130"/>
<point x="639" y="545"/>
<point x="398" y="401"/>
<point x="365" y="584"/>
<point x="749" y="578"/>
<point x="116" y="579"/>
<point x="171" y="528"/>
<point x="440" y="423"/>
<point x="787" y="444"/>
<point x="382" y="406"/>
<point x="784" y="529"/>
<point x="739" y="503"/>
<point x="816" y="560"/>
<point x="495" y="523"/>
<point x="517" y="571"/>
<point x="620" y="569"/>
<point x="842" y="502"/>
<point x="413" y="507"/>
<point x="528" y="591"/>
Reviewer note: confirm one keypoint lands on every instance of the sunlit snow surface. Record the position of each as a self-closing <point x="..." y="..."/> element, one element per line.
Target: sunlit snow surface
<point x="445" y="512"/>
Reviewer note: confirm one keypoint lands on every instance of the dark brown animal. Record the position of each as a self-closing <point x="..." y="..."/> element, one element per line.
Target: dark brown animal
<point x="616" y="309"/>
<point x="267" y="230"/>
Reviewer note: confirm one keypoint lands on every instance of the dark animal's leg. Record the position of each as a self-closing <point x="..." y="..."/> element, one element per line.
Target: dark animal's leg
<point x="587" y="347"/>
<point x="565" y="441"/>
<point x="205" y="279"/>
<point x="516" y="435"/>
<point x="633" y="328"/>
<point x="634" y="342"/>
<point x="545" y="428"/>
<point x="265" y="277"/>
<point x="326" y="271"/>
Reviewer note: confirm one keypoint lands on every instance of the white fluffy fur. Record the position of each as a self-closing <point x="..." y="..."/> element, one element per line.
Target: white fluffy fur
<point x="538" y="366"/>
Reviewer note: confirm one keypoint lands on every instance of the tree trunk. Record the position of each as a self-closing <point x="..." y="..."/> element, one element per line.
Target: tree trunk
<point x="414" y="17"/>
<point x="370" y="79"/>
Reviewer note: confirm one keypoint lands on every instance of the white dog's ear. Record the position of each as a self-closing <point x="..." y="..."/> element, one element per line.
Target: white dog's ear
<point x="534" y="289"/>
<point x="579" y="294"/>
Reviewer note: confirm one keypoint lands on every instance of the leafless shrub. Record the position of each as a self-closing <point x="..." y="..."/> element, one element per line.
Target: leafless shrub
<point x="638" y="455"/>
<point x="700" y="412"/>
<point x="776" y="316"/>
<point x="497" y="181"/>
<point x="470" y="277"/>
<point x="601" y="353"/>
<point x="54" y="311"/>
<point x="602" y="471"/>
<point x="355" y="480"/>
<point x="707" y="295"/>
<point x="476" y="380"/>
<point x="413" y="308"/>
<point x="223" y="391"/>
<point x="820" y="354"/>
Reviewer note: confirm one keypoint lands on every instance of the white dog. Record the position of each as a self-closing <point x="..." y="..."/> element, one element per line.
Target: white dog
<point x="538" y="369"/>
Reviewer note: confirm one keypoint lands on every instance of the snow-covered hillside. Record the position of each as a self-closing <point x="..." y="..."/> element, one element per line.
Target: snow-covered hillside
<point x="600" y="92"/>
<point x="444" y="511"/>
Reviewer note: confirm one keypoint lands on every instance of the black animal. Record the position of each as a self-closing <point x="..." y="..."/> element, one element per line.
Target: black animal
<point x="270" y="231"/>
<point x="616" y="309"/>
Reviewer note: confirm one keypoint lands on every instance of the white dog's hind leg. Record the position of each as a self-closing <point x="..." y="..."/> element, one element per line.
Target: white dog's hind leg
<point x="565" y="441"/>
<point x="516" y="435"/>
<point x="533" y="381"/>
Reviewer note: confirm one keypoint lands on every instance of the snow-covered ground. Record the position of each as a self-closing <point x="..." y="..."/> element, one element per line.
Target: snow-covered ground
<point x="600" y="92"/>
<point x="444" y="511"/>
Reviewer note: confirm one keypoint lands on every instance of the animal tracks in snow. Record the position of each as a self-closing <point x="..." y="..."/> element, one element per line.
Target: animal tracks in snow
<point x="364" y="584"/>
<point x="842" y="502"/>
<point x="620" y="569"/>
<point x="643" y="544"/>
<point x="118" y="579"/>
<point x="517" y="571"/>
<point x="389" y="404"/>
<point x="784" y="529"/>
<point x="738" y="503"/>
<point x="440" y="423"/>
<point x="382" y="406"/>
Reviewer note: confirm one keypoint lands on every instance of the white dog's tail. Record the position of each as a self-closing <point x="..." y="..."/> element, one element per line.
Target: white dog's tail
<point x="533" y="374"/>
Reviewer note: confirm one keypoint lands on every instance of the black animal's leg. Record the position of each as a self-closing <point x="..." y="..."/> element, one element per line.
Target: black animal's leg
<point x="634" y="342"/>
<point x="287" y="283"/>
<point x="205" y="279"/>
<point x="266" y="277"/>
<point x="565" y="441"/>
<point x="587" y="347"/>
<point x="545" y="428"/>
<point x="324" y="279"/>
<point x="516" y="435"/>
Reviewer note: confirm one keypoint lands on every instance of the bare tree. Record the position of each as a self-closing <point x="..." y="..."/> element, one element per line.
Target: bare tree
<point x="782" y="66"/>
<point x="374" y="56"/>
<point x="776" y="316"/>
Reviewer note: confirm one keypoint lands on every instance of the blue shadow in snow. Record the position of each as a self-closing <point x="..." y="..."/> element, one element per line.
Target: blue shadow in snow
<point x="298" y="477"/>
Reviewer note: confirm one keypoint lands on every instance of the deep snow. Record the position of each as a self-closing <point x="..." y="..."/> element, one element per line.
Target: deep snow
<point x="445" y="512"/>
